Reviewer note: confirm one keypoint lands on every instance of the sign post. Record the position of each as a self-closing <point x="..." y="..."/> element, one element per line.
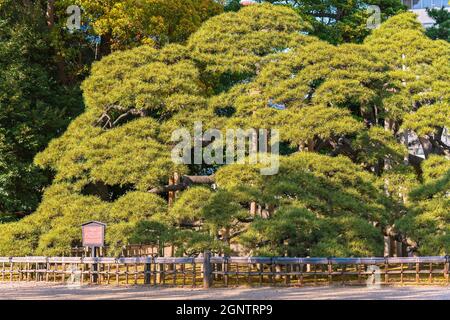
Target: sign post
<point x="93" y="235"/>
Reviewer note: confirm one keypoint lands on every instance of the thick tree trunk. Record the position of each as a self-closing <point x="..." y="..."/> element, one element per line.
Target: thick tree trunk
<point x="184" y="183"/>
<point x="406" y="143"/>
<point x="427" y="146"/>
<point x="387" y="246"/>
<point x="393" y="237"/>
<point x="105" y="45"/>
<point x="59" y="60"/>
<point x="171" y="195"/>
<point x="253" y="208"/>
<point x="432" y="145"/>
<point x="50" y="14"/>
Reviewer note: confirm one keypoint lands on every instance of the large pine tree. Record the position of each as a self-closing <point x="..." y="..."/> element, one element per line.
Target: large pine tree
<point x="345" y="173"/>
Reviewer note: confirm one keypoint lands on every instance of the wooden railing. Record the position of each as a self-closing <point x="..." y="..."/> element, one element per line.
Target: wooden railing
<point x="226" y="271"/>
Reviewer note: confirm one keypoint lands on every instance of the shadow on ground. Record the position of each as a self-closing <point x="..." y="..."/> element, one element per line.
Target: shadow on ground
<point x="45" y="291"/>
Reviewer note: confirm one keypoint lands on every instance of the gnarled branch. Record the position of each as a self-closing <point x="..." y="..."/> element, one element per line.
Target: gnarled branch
<point x="185" y="182"/>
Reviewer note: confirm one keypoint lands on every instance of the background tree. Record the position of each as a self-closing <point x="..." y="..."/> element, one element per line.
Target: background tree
<point x="428" y="220"/>
<point x="33" y="107"/>
<point x="441" y="28"/>
<point x="334" y="21"/>
<point x="129" y="23"/>
<point x="42" y="66"/>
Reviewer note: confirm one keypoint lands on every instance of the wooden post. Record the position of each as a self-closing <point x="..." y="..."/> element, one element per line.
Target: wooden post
<point x="183" y="271"/>
<point x="11" y="269"/>
<point x="82" y="271"/>
<point x="94" y="265"/>
<point x="63" y="275"/>
<point x="147" y="271"/>
<point x="344" y="269"/>
<point x="219" y="269"/>
<point x="446" y="269"/>
<point x="47" y="271"/>
<point x="386" y="271"/>
<point x="28" y="271"/>
<point x="117" y="274"/>
<point x="108" y="279"/>
<point x="163" y="273"/>
<point x="417" y="272"/>
<point x="315" y="273"/>
<point x="261" y="270"/>
<point x="155" y="272"/>
<point x="207" y="271"/>
<point x="174" y="274"/>
<point x="72" y="274"/>
<point x="287" y="279"/>
<point x="272" y="272"/>
<point x="225" y="270"/>
<point x="194" y="273"/>
<point x="359" y="266"/>
<point x="430" y="279"/>
<point x="330" y="270"/>
<point x="278" y="272"/>
<point x="401" y="273"/>
<point x="300" y="279"/>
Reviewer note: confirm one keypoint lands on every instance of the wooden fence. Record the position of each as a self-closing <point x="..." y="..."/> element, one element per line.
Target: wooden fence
<point x="209" y="271"/>
<point x="128" y="251"/>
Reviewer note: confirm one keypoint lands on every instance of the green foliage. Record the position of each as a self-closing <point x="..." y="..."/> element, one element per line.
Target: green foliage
<point x="338" y="21"/>
<point x="429" y="220"/>
<point x="310" y="124"/>
<point x="127" y="80"/>
<point x="417" y="66"/>
<point x="263" y="30"/>
<point x="441" y="28"/>
<point x="33" y="108"/>
<point x="55" y="227"/>
<point x="428" y="120"/>
<point x="189" y="206"/>
<point x="129" y="23"/>
<point x="344" y="20"/>
<point x="322" y="199"/>
<point x="346" y="108"/>
<point x="291" y="231"/>
<point x="377" y="144"/>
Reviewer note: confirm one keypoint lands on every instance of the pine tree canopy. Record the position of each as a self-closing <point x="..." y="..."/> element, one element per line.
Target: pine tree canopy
<point x="348" y="174"/>
<point x="336" y="21"/>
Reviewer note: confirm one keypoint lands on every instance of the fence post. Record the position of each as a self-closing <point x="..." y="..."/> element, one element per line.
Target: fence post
<point x="11" y="269"/>
<point x="225" y="270"/>
<point x="94" y="265"/>
<point x="446" y="269"/>
<point x="147" y="271"/>
<point x="207" y="270"/>
<point x="330" y="271"/>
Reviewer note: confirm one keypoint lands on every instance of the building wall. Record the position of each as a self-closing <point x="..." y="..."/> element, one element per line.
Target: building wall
<point x="419" y="7"/>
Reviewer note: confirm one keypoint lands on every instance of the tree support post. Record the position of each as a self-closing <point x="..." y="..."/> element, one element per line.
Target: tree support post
<point x="207" y="270"/>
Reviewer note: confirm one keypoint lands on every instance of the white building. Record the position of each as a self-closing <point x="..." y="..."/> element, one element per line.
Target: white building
<point x="419" y="7"/>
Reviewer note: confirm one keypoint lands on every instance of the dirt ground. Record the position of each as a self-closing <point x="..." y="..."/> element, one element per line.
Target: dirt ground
<point x="62" y="292"/>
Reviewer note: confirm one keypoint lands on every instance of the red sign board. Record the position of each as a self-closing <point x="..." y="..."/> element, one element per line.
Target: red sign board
<point x="93" y="234"/>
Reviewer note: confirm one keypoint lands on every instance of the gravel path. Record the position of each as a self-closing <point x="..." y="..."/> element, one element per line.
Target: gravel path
<point x="61" y="292"/>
